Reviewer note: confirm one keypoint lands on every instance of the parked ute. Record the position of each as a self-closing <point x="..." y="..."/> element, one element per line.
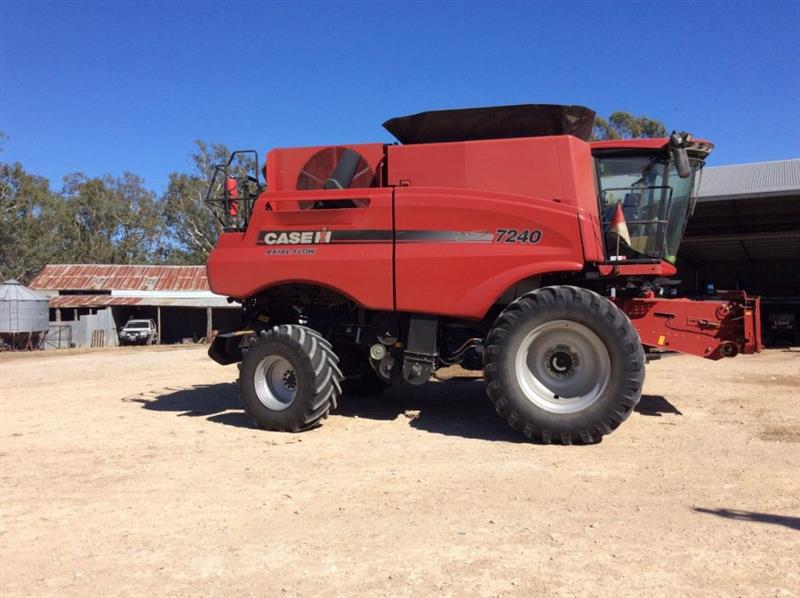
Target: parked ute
<point x="138" y="332"/>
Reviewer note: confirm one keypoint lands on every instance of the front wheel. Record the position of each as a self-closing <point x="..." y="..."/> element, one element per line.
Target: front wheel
<point x="563" y="364"/>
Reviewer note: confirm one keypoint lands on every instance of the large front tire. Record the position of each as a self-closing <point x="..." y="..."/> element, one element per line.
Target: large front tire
<point x="563" y="364"/>
<point x="289" y="379"/>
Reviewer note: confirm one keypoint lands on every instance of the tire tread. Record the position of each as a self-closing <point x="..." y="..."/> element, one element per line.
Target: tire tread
<point x="542" y="299"/>
<point x="325" y="383"/>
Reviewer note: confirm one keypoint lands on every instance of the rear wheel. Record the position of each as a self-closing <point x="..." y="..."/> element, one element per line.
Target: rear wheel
<point x="289" y="378"/>
<point x="564" y="364"/>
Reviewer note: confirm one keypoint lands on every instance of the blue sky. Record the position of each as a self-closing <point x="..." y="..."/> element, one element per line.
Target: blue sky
<point x="111" y="86"/>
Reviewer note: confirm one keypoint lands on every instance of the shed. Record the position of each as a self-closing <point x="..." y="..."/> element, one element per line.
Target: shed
<point x="89" y="303"/>
<point x="745" y="234"/>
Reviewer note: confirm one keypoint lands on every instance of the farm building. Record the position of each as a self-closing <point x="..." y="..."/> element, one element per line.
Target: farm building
<point x="745" y="234"/>
<point x="89" y="303"/>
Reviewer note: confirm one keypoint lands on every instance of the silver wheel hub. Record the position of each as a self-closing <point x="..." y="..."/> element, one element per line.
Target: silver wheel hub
<point x="275" y="382"/>
<point x="562" y="366"/>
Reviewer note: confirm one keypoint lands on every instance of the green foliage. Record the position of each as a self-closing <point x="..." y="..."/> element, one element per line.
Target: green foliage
<point x="28" y="213"/>
<point x="109" y="221"/>
<point x="192" y="225"/>
<point x="624" y="125"/>
<point x="106" y="220"/>
<point x="101" y="220"/>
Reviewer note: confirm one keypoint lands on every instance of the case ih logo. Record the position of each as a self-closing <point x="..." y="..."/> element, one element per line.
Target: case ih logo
<point x="371" y="236"/>
<point x="295" y="237"/>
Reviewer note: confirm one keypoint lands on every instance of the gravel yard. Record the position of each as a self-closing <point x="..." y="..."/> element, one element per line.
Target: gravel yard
<point x="134" y="472"/>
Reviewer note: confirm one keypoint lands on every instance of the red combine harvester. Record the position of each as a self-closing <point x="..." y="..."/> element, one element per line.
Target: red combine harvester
<point x="499" y="239"/>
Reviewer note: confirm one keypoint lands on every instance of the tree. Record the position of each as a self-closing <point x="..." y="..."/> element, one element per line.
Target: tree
<point x="192" y="226"/>
<point x="624" y="125"/>
<point x="93" y="220"/>
<point x="109" y="220"/>
<point x="27" y="223"/>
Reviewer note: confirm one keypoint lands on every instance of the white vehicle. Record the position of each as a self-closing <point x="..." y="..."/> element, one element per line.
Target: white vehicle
<point x="138" y="332"/>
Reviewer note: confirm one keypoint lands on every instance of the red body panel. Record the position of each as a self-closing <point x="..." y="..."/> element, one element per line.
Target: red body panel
<point x="464" y="279"/>
<point x="242" y="267"/>
<point x="623" y="269"/>
<point x="543" y="184"/>
<point x="553" y="168"/>
<point x="645" y="143"/>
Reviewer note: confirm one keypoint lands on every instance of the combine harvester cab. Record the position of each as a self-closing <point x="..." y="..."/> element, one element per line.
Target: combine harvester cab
<point x="498" y="239"/>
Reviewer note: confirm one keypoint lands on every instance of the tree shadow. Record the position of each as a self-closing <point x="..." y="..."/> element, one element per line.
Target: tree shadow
<point x="785" y="520"/>
<point x="655" y="405"/>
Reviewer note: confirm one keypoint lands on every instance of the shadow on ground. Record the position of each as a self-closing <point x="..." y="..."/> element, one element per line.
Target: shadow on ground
<point x="785" y="520"/>
<point x="656" y="405"/>
<point x="452" y="408"/>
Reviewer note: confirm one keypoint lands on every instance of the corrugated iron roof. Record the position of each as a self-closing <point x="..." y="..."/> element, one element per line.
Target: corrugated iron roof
<point x="98" y="301"/>
<point x="213" y="301"/>
<point x="102" y="277"/>
<point x="91" y="301"/>
<point x="759" y="179"/>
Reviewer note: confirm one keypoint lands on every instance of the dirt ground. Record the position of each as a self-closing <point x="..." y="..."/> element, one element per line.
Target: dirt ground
<point x="133" y="472"/>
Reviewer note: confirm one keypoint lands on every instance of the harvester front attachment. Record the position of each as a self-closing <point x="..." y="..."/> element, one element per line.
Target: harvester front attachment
<point x="713" y="329"/>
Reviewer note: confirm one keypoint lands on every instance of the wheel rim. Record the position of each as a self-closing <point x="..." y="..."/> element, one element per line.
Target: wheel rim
<point x="275" y="382"/>
<point x="562" y="366"/>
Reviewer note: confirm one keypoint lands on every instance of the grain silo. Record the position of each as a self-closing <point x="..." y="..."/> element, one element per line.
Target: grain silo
<point x="24" y="317"/>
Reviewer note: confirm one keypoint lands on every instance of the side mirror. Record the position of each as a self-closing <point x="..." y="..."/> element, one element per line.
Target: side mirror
<point x="677" y="142"/>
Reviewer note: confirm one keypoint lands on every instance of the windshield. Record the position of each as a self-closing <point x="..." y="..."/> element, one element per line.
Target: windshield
<point x="138" y="324"/>
<point x="655" y="201"/>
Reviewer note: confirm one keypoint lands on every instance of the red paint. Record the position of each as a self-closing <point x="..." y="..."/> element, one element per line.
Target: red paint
<point x="466" y="279"/>
<point x="623" y="269"/>
<point x="233" y="194"/>
<point x="240" y="267"/>
<point x="543" y="189"/>
<point x="543" y="183"/>
<point x="647" y="143"/>
<point x="701" y="328"/>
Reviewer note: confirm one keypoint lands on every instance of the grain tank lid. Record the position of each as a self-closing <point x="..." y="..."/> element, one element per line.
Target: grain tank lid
<point x="495" y="122"/>
<point x="12" y="290"/>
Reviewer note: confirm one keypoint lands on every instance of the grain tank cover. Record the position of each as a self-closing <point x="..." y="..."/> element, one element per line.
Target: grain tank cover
<point x="496" y="122"/>
<point x="21" y="309"/>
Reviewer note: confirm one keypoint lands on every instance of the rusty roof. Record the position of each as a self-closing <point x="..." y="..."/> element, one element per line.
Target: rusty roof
<point x="103" y="277"/>
<point x="99" y="301"/>
<point x="91" y="301"/>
